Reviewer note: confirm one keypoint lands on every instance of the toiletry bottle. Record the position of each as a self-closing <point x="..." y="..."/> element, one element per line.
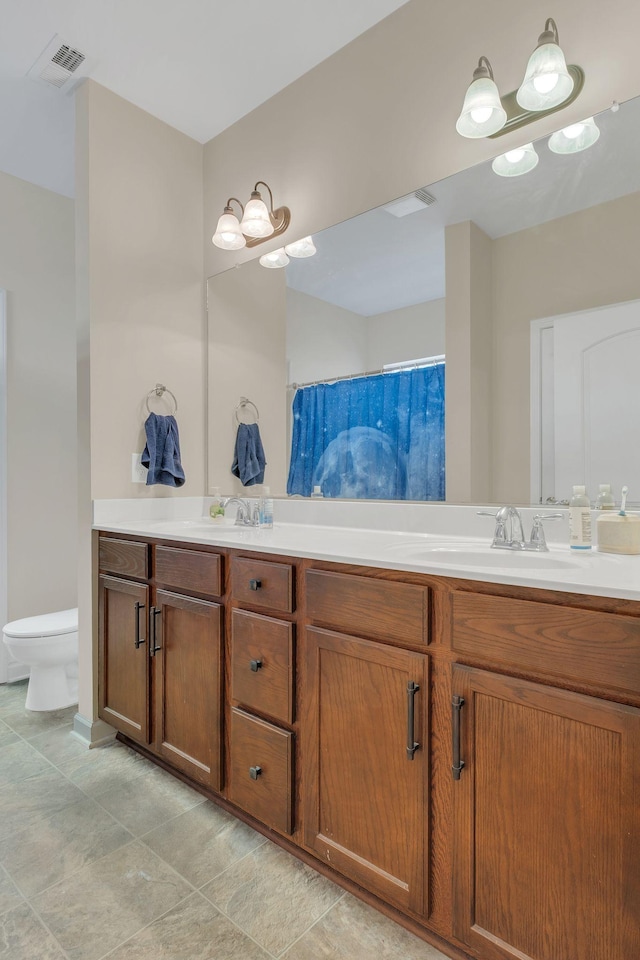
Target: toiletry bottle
<point x="216" y="510"/>
<point x="605" y="499"/>
<point x="266" y="508"/>
<point x="317" y="492"/>
<point x="579" y="520"/>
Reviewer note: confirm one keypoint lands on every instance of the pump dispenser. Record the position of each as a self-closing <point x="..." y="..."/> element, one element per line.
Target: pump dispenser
<point x="579" y="519"/>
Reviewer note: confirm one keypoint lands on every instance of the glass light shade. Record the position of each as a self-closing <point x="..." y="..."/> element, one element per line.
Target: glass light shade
<point x="482" y="112"/>
<point x="547" y="82"/>
<point x="256" y="222"/>
<point x="574" y="138"/>
<point x="228" y="235"/>
<point x="301" y="248"/>
<point x="516" y="162"/>
<point x="277" y="258"/>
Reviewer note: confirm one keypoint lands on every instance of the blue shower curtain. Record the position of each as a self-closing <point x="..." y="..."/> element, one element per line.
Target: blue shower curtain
<point x="379" y="437"/>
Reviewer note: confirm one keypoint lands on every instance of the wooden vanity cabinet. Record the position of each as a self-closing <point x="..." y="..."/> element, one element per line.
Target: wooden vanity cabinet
<point x="160" y="652"/>
<point x="546" y="828"/>
<point x="262" y="740"/>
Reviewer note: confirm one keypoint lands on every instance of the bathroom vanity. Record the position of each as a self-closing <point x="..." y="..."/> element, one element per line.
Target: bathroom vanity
<point x="461" y="751"/>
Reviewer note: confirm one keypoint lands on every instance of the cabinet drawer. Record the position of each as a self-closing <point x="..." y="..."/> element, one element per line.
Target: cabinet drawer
<point x="129" y="558"/>
<point x="552" y="641"/>
<point x="370" y="608"/>
<point x="260" y="777"/>
<point x="189" y="570"/>
<point x="262" y="584"/>
<point x="262" y="664"/>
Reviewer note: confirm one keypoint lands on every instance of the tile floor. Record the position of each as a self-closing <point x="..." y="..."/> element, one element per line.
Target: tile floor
<point x="104" y="855"/>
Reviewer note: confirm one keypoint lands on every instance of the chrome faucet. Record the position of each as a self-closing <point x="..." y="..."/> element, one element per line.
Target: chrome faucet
<point x="509" y="533"/>
<point x="247" y="515"/>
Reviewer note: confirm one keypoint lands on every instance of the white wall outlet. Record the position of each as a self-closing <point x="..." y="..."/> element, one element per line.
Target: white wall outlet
<point x="138" y="472"/>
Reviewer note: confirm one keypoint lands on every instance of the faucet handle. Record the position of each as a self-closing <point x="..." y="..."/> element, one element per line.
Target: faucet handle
<point x="486" y="513"/>
<point x="538" y="540"/>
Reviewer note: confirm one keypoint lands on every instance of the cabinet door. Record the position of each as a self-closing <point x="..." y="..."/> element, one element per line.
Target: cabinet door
<point x="123" y="657"/>
<point x="186" y="643"/>
<point x="546" y="822"/>
<point x="365" y="808"/>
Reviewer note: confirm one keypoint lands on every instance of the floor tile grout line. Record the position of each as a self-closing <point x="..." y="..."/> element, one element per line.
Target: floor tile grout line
<point x="49" y="931"/>
<point x="311" y="926"/>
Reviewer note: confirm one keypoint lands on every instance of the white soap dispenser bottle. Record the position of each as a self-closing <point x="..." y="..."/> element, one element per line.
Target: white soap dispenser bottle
<point x="579" y="519"/>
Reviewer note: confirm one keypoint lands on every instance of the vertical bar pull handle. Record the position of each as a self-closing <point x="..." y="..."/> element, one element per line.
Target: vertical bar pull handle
<point x="153" y="646"/>
<point x="138" y="640"/>
<point x="412" y="746"/>
<point x="456" y="706"/>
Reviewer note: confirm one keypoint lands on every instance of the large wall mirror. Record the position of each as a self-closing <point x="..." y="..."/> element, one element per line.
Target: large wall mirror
<point x="525" y="285"/>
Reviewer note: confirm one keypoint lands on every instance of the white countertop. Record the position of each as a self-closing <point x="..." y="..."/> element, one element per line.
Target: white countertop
<point x="437" y="552"/>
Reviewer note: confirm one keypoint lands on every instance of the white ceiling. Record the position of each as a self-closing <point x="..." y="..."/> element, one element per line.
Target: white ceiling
<point x="199" y="65"/>
<point x="376" y="262"/>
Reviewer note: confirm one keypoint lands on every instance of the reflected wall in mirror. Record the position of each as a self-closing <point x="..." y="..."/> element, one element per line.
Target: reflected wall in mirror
<point x="482" y="272"/>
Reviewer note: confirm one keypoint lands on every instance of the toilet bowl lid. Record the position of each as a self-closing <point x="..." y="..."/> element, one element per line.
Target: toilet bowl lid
<point x="46" y="625"/>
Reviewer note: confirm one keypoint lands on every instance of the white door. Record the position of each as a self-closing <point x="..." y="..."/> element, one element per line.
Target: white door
<point x="597" y="399"/>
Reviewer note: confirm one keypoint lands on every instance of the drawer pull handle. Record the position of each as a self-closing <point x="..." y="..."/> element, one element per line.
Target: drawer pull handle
<point x="153" y="646"/>
<point x="255" y="665"/>
<point x="254" y="772"/>
<point x="255" y="584"/>
<point x="138" y="640"/>
<point x="412" y="746"/>
<point x="456" y="706"/>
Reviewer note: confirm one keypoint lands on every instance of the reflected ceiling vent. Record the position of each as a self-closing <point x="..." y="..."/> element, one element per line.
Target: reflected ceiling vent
<point x="411" y="204"/>
<point x="57" y="64"/>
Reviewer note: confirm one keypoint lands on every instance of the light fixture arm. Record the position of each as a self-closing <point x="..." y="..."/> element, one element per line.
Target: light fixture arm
<point x="483" y="70"/>
<point x="550" y="34"/>
<point x="229" y="208"/>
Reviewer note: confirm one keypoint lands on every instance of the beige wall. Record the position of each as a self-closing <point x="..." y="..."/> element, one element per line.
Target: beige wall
<point x="376" y="120"/>
<point x="247" y="319"/>
<point x="406" y="334"/>
<point x="37" y="271"/>
<point x="141" y="317"/>
<point x="323" y="340"/>
<point x="577" y="262"/>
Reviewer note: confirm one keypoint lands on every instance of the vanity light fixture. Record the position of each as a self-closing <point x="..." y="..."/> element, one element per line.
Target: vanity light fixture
<point x="549" y="85"/>
<point x="516" y="162"/>
<point x="301" y="248"/>
<point x="258" y="223"/>
<point x="576" y="137"/>
<point x="277" y="258"/>
<point x="482" y="112"/>
<point x="547" y="82"/>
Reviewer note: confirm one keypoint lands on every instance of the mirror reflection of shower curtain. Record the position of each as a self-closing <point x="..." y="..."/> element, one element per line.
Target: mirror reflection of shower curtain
<point x="378" y="437"/>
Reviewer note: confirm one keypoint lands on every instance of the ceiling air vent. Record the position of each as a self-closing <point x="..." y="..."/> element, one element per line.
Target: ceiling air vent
<point x="57" y="64"/>
<point x="411" y="204"/>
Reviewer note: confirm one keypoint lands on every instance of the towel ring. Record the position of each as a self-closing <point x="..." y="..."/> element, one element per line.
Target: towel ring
<point x="245" y="402"/>
<point x="158" y="391"/>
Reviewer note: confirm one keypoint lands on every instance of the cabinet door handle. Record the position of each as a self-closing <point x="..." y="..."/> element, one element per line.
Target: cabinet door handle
<point x="153" y="646"/>
<point x="255" y="584"/>
<point x="139" y="639"/>
<point x="412" y="746"/>
<point x="456" y="706"/>
<point x="255" y="665"/>
<point x="254" y="772"/>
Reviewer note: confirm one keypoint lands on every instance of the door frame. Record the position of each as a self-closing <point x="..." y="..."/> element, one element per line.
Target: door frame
<point x="541" y="405"/>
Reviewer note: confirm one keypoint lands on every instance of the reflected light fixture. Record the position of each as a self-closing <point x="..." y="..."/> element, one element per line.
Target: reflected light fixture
<point x="514" y="163"/>
<point x="549" y="85"/>
<point x="277" y="258"/>
<point x="301" y="248"/>
<point x="547" y="82"/>
<point x="482" y="112"/>
<point x="258" y="223"/>
<point x="574" y="138"/>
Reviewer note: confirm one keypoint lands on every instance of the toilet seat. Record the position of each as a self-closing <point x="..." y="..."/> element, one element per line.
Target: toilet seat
<point x="47" y="625"/>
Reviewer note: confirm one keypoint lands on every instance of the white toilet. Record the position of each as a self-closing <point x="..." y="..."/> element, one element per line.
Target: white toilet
<point x="49" y="645"/>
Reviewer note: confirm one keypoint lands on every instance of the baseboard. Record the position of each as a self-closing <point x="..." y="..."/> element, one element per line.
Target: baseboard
<point x="92" y="733"/>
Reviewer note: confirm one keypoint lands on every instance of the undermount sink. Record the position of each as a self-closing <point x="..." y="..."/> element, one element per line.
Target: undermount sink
<point x="480" y="555"/>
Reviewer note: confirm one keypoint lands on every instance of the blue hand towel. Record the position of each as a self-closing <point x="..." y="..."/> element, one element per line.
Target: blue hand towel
<point x="162" y="452"/>
<point x="248" y="461"/>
